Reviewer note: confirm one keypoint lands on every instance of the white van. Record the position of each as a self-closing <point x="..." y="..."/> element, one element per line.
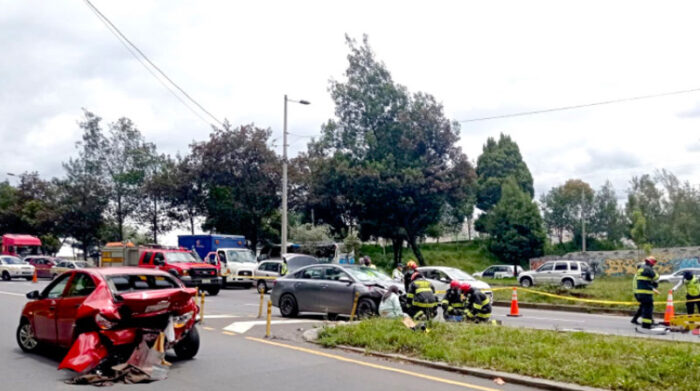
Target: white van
<point x="237" y="266"/>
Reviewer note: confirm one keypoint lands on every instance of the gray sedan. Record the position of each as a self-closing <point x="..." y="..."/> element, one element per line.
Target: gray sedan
<point x="330" y="289"/>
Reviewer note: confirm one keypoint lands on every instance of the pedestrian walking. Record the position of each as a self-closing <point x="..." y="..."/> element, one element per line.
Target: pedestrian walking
<point x="692" y="291"/>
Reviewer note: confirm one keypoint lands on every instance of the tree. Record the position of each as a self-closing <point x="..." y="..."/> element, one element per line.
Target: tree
<point x="515" y="226"/>
<point x="241" y="175"/>
<point x="186" y="192"/>
<point x="607" y="219"/>
<point x="154" y="210"/>
<point x="554" y="211"/>
<point x="498" y="161"/>
<point x="83" y="193"/>
<point x="389" y="157"/>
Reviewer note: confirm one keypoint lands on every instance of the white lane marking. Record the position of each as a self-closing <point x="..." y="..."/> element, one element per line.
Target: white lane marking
<point x="242" y="327"/>
<point x="13" y="294"/>
<point x="550" y="319"/>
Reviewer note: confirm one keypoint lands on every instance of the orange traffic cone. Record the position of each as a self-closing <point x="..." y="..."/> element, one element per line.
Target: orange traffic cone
<point x="34" y="279"/>
<point x="669" y="314"/>
<point x="514" y="310"/>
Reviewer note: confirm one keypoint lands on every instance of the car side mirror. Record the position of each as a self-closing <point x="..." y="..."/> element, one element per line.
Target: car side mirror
<point x="33" y="295"/>
<point x="345" y="280"/>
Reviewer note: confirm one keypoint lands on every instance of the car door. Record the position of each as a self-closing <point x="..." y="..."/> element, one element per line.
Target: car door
<point x="45" y="312"/>
<point x="338" y="296"/>
<point x="489" y="272"/>
<point x="43" y="267"/>
<point x="561" y="268"/>
<point x="544" y="273"/>
<point x="79" y="287"/>
<point x="307" y="288"/>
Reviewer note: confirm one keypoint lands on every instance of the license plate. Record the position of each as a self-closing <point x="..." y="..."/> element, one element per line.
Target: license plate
<point x="206" y="281"/>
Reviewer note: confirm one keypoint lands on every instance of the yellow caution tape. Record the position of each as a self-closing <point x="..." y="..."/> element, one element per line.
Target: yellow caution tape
<point x="589" y="300"/>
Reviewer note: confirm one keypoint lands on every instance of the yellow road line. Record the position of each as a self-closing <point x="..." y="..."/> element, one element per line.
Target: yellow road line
<point x="228" y="333"/>
<point x="376" y="366"/>
<point x="208" y="328"/>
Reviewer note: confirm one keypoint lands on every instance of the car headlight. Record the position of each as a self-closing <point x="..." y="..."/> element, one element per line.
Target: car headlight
<point x="183" y="272"/>
<point x="181" y="321"/>
<point x="104" y="323"/>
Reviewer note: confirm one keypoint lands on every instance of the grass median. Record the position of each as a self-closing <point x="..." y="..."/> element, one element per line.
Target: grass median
<point x="605" y="289"/>
<point x="611" y="362"/>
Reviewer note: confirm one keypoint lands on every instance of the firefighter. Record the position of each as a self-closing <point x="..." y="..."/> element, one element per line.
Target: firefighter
<point x="638" y="314"/>
<point x="422" y="304"/>
<point x="478" y="306"/>
<point x="411" y="267"/>
<point x="644" y="291"/>
<point x="692" y="291"/>
<point x="453" y="302"/>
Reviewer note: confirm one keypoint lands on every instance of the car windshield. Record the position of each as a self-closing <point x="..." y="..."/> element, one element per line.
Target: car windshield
<point x="135" y="282"/>
<point x="457" y="274"/>
<point x="180" y="257"/>
<point x="366" y="274"/>
<point x="12" y="261"/>
<point x="243" y="256"/>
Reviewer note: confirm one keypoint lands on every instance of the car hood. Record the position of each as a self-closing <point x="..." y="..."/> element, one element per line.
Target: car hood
<point x="19" y="267"/>
<point x="477" y="284"/>
<point x="192" y="265"/>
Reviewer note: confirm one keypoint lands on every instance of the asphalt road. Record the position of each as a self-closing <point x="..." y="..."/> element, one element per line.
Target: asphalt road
<point x="235" y="359"/>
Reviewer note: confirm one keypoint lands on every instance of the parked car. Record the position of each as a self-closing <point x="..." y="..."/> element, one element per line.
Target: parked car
<point x="498" y="271"/>
<point x="272" y="268"/>
<point x="96" y="310"/>
<point x="566" y="273"/>
<point x="13" y="267"/>
<point x="442" y="276"/>
<point x="678" y="275"/>
<point x="65" y="266"/>
<point x="330" y="289"/>
<point x="42" y="264"/>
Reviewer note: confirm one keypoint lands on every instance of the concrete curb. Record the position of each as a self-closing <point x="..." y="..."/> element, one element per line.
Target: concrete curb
<point x="572" y="308"/>
<point x="311" y="336"/>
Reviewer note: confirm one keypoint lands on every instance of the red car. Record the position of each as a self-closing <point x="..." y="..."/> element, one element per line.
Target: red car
<point x="92" y="311"/>
<point x="42" y="264"/>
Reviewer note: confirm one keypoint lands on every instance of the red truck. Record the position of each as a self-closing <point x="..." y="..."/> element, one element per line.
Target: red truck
<point x="179" y="262"/>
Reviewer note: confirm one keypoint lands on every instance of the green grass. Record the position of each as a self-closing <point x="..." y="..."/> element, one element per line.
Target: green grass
<point x="469" y="256"/>
<point x="610" y="362"/>
<point x="602" y="288"/>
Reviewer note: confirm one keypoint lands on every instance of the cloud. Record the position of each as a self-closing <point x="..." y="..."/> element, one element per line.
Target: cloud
<point x="694" y="147"/>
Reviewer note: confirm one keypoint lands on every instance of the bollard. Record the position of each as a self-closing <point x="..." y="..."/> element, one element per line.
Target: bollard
<point x="201" y="311"/>
<point x="269" y="318"/>
<point x="354" y="306"/>
<point x="262" y="298"/>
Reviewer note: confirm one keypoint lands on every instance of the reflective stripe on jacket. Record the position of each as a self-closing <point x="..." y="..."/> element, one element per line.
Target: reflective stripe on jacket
<point x="646" y="280"/>
<point x="421" y="293"/>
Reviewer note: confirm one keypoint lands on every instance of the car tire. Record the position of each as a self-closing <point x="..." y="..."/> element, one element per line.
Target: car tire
<point x="526" y="282"/>
<point x="223" y="282"/>
<point x="6" y="276"/>
<point x="288" y="306"/>
<point x="29" y="278"/>
<point x="188" y="346"/>
<point x="262" y="286"/>
<point x="213" y="291"/>
<point x="366" y="308"/>
<point x="567" y="283"/>
<point x="26" y="338"/>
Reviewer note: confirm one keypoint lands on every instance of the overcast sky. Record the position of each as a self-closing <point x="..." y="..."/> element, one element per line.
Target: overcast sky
<point x="478" y="58"/>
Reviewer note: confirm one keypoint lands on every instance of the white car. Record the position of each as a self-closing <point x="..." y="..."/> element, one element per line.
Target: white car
<point x="498" y="271"/>
<point x="442" y="276"/>
<point x="13" y="267"/>
<point x="678" y="275"/>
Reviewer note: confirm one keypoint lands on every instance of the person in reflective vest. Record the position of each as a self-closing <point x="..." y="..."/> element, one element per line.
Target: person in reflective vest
<point x="421" y="298"/>
<point x="692" y="291"/>
<point x="644" y="292"/>
<point x="638" y="314"/>
<point x="284" y="269"/>
<point x="453" y="302"/>
<point x="478" y="307"/>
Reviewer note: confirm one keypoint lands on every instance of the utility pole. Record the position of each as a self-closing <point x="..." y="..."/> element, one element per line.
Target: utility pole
<point x="583" y="222"/>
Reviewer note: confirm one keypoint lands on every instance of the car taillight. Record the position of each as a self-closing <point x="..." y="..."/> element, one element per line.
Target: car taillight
<point x="181" y="321"/>
<point x="104" y="323"/>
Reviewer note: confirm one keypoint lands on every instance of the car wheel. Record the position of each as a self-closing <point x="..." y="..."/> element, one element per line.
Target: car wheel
<point x="188" y="346"/>
<point x="366" y="308"/>
<point x="29" y="278"/>
<point x="6" y="276"/>
<point x="25" y="337"/>
<point x="526" y="282"/>
<point x="213" y="291"/>
<point x="288" y="306"/>
<point x="567" y="283"/>
<point x="262" y="286"/>
<point x="223" y="282"/>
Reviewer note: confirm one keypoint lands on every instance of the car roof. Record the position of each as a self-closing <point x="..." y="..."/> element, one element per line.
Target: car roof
<point x="111" y="271"/>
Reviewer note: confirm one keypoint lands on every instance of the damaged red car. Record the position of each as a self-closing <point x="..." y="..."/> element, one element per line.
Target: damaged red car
<point x="98" y="313"/>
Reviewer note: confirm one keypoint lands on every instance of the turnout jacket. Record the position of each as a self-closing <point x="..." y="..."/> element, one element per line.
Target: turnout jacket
<point x="421" y="293"/>
<point x="646" y="281"/>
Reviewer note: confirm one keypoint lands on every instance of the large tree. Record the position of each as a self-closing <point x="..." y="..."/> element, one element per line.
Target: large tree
<point x="241" y="175"/>
<point x="607" y="219"/>
<point x="393" y="153"/>
<point x="514" y="225"/>
<point x="500" y="160"/>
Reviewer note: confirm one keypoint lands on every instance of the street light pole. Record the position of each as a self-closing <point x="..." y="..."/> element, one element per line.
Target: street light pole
<point x="283" y="249"/>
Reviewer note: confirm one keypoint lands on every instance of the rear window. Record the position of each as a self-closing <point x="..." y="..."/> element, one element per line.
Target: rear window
<point x="574" y="266"/>
<point x="561" y="266"/>
<point x="137" y="282"/>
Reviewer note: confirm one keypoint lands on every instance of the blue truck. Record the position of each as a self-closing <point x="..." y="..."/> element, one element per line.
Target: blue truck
<point x="205" y="244"/>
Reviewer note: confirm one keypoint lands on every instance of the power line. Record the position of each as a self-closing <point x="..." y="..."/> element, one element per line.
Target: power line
<point x="131" y="47"/>
<point x="607" y="102"/>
